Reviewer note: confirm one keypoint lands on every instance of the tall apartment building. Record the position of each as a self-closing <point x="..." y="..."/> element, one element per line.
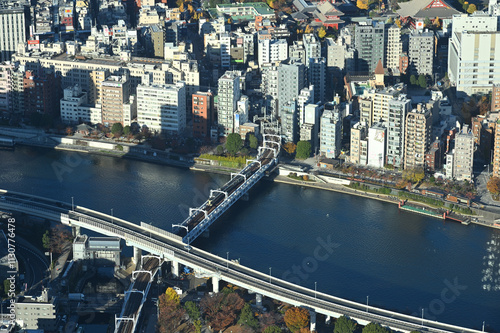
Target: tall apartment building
<point x="473" y="55"/>
<point x="115" y="94"/>
<point x="228" y="95"/>
<point x="495" y="98"/>
<point x="297" y="50"/>
<point x="203" y="113"/>
<point x="312" y="46"/>
<point x="158" y="38"/>
<point x="37" y="313"/>
<point x="97" y="77"/>
<point x="398" y="109"/>
<point x="289" y="121"/>
<point x="380" y="105"/>
<point x="6" y="87"/>
<point x="14" y="23"/>
<point x="273" y="50"/>
<point x="377" y="145"/>
<point x="496" y="151"/>
<point x="41" y="94"/>
<point x="162" y="108"/>
<point x="316" y="73"/>
<point x="330" y="133"/>
<point x="365" y="110"/>
<point x="291" y="79"/>
<point x="359" y="144"/>
<point x="463" y="156"/>
<point x="394" y="47"/>
<point x="421" y="53"/>
<point x="418" y="128"/>
<point x="369" y="42"/>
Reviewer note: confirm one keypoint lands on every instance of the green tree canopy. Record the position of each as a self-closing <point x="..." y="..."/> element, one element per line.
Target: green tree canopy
<point x="272" y="329"/>
<point x="233" y="143"/>
<point x="253" y="142"/>
<point x="220" y="150"/>
<point x="46" y="240"/>
<point x="344" y="325"/>
<point x="303" y="150"/>
<point x="375" y="328"/>
<point x="126" y="130"/>
<point x="192" y="310"/>
<point x="422" y="82"/>
<point x="413" y="80"/>
<point x="117" y="128"/>
<point x="247" y="317"/>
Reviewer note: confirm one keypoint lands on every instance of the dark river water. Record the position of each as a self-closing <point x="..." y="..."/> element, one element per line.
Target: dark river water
<point x="347" y="246"/>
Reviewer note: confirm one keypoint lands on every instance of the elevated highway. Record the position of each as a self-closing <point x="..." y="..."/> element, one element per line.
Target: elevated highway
<point x="171" y="248"/>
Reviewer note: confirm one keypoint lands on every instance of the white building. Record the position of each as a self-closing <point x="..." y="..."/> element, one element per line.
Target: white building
<point x="162" y="108"/>
<point x="330" y="134"/>
<point x="473" y="55"/>
<point x="463" y="155"/>
<point x="75" y="109"/>
<point x="228" y="95"/>
<point x="272" y="50"/>
<point x="376" y="145"/>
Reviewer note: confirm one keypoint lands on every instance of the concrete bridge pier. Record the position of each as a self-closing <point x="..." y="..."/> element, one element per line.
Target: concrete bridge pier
<point x="328" y="320"/>
<point x="75" y="230"/>
<point x="137" y="256"/>
<point x="215" y="284"/>
<point x="258" y="300"/>
<point x="174" y="268"/>
<point x="312" y="315"/>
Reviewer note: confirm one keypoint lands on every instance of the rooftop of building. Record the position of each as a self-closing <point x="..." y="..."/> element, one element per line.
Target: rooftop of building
<point x="426" y="9"/>
<point x="261" y="7"/>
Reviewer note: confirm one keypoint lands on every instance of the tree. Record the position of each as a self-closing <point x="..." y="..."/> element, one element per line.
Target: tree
<point x="422" y="82"/>
<point x="471" y="9"/>
<point x="117" y="129"/>
<point x="171" y="297"/>
<point x="272" y="329"/>
<point x="398" y="23"/>
<point x="221" y="309"/>
<point x="303" y="150"/>
<point x="247" y="317"/>
<point x="322" y="32"/>
<point x="414" y="175"/>
<point x="465" y="6"/>
<point x="69" y="131"/>
<point x="296" y="318"/>
<point x="493" y="185"/>
<point x="46" y="240"/>
<point x="220" y="150"/>
<point x="437" y="22"/>
<point x="308" y="29"/>
<point x="192" y="310"/>
<point x="270" y="319"/>
<point x="344" y="325"/>
<point x="253" y="142"/>
<point x="427" y="22"/>
<point x="126" y="130"/>
<point x="362" y="4"/>
<point x="290" y="147"/>
<point x="233" y="143"/>
<point x="413" y="80"/>
<point x="375" y="328"/>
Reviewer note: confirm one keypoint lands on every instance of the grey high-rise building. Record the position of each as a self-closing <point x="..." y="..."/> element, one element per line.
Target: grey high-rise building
<point x="421" y="53"/>
<point x="316" y="73"/>
<point x="398" y="109"/>
<point x="463" y="156"/>
<point x="289" y="121"/>
<point x="291" y="79"/>
<point x="312" y="46"/>
<point x="330" y="133"/>
<point x="228" y="95"/>
<point x="369" y="42"/>
<point x="14" y="22"/>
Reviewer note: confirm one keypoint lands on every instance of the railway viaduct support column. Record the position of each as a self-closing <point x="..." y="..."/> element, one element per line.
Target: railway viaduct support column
<point x="258" y="300"/>
<point x="328" y="320"/>
<point x="174" y="268"/>
<point x="312" y="315"/>
<point x="75" y="230"/>
<point x="215" y="284"/>
<point x="137" y="255"/>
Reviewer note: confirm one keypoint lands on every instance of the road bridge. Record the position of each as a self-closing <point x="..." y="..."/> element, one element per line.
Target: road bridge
<point x="170" y="247"/>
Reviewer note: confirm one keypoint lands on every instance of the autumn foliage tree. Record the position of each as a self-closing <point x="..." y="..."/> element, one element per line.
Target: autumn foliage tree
<point x="414" y="175"/>
<point x="290" y="147"/>
<point x="296" y="319"/>
<point x="221" y="310"/>
<point x="493" y="186"/>
<point x="362" y="4"/>
<point x="471" y="9"/>
<point x="322" y="32"/>
<point x="171" y="313"/>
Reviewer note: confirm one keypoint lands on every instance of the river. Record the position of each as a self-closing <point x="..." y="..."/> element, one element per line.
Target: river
<point x="347" y="246"/>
